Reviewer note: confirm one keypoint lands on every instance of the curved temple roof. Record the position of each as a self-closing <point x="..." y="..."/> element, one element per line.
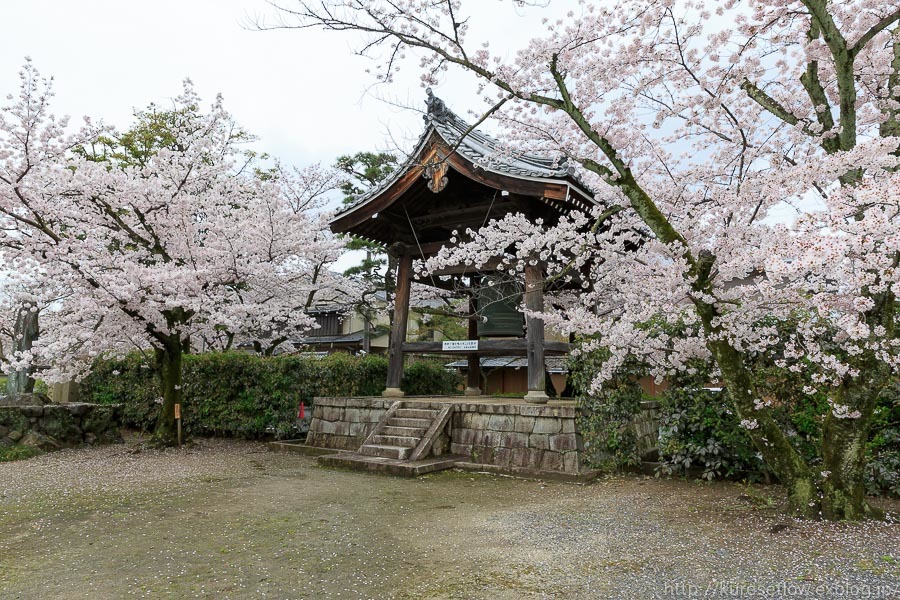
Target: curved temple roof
<point x="485" y="155"/>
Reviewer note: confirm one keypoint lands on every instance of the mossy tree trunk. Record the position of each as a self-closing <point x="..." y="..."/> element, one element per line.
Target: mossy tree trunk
<point x="766" y="434"/>
<point x="169" y="348"/>
<point x="844" y="452"/>
<point x="168" y="369"/>
<point x="844" y="438"/>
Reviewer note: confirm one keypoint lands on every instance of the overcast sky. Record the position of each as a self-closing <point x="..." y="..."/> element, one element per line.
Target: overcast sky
<point x="304" y="93"/>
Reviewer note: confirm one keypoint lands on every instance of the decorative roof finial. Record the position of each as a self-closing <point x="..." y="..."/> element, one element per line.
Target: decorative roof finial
<point x="437" y="110"/>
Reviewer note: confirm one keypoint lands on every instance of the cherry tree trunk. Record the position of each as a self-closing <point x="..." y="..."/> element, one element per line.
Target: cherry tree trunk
<point x="168" y="368"/>
<point x="834" y="491"/>
<point x="768" y="438"/>
<point x="844" y="449"/>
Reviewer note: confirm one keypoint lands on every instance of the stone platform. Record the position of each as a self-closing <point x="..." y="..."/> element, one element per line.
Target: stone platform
<point x="505" y="435"/>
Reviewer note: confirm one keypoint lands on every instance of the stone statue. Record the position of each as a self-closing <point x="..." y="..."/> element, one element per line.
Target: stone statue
<point x="26" y="329"/>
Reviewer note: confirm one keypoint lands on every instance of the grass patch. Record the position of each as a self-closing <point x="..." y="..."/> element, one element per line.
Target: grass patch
<point x="18" y="453"/>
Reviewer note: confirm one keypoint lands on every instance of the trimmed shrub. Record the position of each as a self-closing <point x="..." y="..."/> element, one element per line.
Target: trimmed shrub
<point x="128" y="381"/>
<point x="244" y="395"/>
<point x="698" y="430"/>
<point x="18" y="453"/>
<point x="430" y="379"/>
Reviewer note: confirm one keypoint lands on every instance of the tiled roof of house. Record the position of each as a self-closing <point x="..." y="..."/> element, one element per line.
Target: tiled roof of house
<point x="313" y="340"/>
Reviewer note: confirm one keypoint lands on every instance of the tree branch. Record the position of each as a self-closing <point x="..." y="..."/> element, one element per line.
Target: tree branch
<point x="640" y="199"/>
<point x="771" y="104"/>
<point x="818" y="97"/>
<point x="875" y="30"/>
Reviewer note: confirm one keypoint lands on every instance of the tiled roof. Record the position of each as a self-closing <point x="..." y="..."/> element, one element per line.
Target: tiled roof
<point x="554" y="364"/>
<point x="479" y="148"/>
<point x="488" y="152"/>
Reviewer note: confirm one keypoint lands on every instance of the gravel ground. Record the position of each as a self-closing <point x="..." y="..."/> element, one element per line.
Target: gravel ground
<point x="226" y="519"/>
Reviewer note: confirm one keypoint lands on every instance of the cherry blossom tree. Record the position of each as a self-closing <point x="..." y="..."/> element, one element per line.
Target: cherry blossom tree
<point x="31" y="141"/>
<point x="190" y="240"/>
<point x="699" y="126"/>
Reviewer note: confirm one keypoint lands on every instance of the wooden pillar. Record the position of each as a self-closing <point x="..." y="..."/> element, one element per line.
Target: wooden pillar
<point x="473" y="374"/>
<point x="534" y="332"/>
<point x="367" y="327"/>
<point x="398" y="328"/>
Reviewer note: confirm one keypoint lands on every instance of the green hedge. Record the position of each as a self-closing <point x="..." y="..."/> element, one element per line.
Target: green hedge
<point x="18" y="453"/>
<point x="429" y="379"/>
<point x="244" y="395"/>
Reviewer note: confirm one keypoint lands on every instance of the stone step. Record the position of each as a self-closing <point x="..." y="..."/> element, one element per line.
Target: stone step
<point x="383" y="451"/>
<point x="417" y="423"/>
<point x="416" y="432"/>
<point x="396" y="440"/>
<point x="416" y="413"/>
<point x="388" y="466"/>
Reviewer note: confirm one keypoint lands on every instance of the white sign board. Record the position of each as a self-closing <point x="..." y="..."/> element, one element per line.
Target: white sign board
<point x="461" y="345"/>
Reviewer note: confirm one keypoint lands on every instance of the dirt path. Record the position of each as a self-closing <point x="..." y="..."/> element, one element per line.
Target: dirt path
<point x="229" y="520"/>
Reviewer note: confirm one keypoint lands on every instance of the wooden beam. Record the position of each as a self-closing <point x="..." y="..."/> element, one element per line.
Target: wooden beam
<point x="450" y="286"/>
<point x="428" y="248"/>
<point x="382" y="230"/>
<point x="473" y="373"/>
<point x="459" y="215"/>
<point x="499" y="347"/>
<point x="398" y="327"/>
<point x="491" y="265"/>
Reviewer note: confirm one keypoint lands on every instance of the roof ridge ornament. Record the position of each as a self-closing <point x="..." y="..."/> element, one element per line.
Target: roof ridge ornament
<point x="437" y="110"/>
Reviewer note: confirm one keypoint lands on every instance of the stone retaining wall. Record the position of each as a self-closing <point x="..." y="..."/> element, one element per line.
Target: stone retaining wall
<point x="525" y="436"/>
<point x="345" y="423"/>
<point x="512" y="436"/>
<point x="54" y="426"/>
